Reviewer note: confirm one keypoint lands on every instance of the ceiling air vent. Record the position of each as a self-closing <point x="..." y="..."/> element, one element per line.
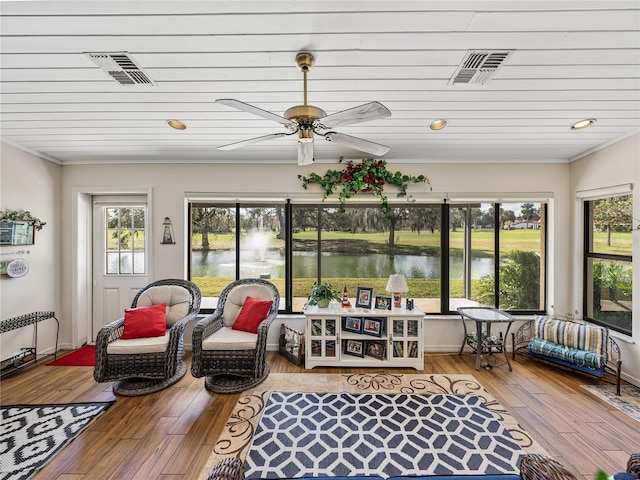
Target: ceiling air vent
<point x="122" y="68"/>
<point x="478" y="67"/>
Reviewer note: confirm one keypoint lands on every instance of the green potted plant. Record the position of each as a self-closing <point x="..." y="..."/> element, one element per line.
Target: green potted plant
<point x="321" y="295"/>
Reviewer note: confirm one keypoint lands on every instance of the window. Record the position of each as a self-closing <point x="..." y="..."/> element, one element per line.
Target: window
<point x="234" y="242"/>
<point x="511" y="279"/>
<point x="124" y="240"/>
<point x="608" y="262"/>
<point x="297" y="245"/>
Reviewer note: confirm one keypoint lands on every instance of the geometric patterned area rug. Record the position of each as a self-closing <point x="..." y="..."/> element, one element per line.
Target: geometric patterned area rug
<point x="627" y="402"/>
<point x="30" y="435"/>
<point x="346" y="434"/>
<point x="237" y="435"/>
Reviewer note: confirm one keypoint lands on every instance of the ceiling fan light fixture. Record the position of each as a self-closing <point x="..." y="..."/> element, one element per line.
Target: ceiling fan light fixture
<point x="305" y="135"/>
<point x="177" y="124"/>
<point x="579" y="125"/>
<point x="438" y="124"/>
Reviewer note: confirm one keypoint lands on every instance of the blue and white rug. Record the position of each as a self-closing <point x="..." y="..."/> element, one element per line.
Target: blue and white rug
<point x="30" y="435"/>
<point x="346" y="434"/>
<point x="237" y="436"/>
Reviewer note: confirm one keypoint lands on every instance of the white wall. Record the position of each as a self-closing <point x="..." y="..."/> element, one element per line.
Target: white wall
<point x="616" y="165"/>
<point x="31" y="183"/>
<point x="171" y="184"/>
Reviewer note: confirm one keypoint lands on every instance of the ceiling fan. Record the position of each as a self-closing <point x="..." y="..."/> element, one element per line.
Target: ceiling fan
<point x="307" y="120"/>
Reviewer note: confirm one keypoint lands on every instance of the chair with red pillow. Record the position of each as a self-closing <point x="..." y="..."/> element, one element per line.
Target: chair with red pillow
<point x="143" y="351"/>
<point x="229" y="346"/>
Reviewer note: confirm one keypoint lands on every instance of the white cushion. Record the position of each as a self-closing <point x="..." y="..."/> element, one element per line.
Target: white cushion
<point x="176" y="297"/>
<point x="236" y="299"/>
<point x="229" y="339"/>
<point x="139" y="345"/>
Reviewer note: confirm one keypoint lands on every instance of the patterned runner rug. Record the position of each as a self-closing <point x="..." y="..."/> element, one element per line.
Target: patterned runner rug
<point x="30" y="435"/>
<point x="238" y="434"/>
<point x="628" y="402"/>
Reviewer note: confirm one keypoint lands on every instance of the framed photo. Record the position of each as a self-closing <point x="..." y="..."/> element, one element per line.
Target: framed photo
<point x="352" y="324"/>
<point x="376" y="349"/>
<point x="372" y="326"/>
<point x="17" y="233"/>
<point x="364" y="297"/>
<point x="383" y="303"/>
<point x="354" y="347"/>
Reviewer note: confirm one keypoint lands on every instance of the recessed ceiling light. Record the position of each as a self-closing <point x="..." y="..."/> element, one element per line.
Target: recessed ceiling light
<point x="587" y="122"/>
<point x="438" y="124"/>
<point x="177" y="124"/>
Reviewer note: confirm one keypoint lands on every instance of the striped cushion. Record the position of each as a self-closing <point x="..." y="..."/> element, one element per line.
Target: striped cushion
<point x="580" y="336"/>
<point x="575" y="356"/>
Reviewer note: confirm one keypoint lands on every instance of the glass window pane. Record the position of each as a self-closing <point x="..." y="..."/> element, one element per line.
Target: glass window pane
<point x="472" y="255"/>
<point x="610" y="293"/>
<point x="138" y="262"/>
<point x="111" y="215"/>
<point x="121" y="241"/>
<point x="612" y="225"/>
<point x="213" y="247"/>
<point x="126" y="265"/>
<point x="608" y="287"/>
<point x="364" y="245"/>
<point x="138" y="218"/>
<point x="305" y="253"/>
<point x="521" y="251"/>
<point x="112" y="263"/>
<point x="126" y="239"/>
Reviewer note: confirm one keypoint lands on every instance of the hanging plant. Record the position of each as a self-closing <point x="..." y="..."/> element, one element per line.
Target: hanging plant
<point x="21" y="216"/>
<point x="368" y="176"/>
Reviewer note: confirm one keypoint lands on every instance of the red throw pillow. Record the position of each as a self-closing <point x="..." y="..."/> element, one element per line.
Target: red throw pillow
<point x="145" y="322"/>
<point x="253" y="311"/>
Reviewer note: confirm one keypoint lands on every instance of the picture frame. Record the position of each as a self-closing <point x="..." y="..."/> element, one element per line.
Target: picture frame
<point x="17" y="232"/>
<point x="372" y="326"/>
<point x="352" y="324"/>
<point x="383" y="303"/>
<point x="354" y="347"/>
<point x="376" y="349"/>
<point x="364" y="297"/>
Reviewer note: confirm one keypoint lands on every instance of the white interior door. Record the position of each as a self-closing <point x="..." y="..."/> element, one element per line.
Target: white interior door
<point x="120" y="259"/>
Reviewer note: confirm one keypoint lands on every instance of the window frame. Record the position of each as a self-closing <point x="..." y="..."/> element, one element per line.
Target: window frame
<point x="590" y="256"/>
<point x="444" y="207"/>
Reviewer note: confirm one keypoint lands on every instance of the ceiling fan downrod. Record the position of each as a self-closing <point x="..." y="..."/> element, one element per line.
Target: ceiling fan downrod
<point x="305" y="114"/>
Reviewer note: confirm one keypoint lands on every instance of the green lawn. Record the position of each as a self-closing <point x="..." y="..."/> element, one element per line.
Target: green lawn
<point x="412" y="242"/>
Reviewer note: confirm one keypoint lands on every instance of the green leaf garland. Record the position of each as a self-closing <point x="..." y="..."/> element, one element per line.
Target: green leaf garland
<point x="368" y="176"/>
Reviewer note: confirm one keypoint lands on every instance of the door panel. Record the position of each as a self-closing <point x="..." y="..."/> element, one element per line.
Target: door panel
<point x="119" y="257"/>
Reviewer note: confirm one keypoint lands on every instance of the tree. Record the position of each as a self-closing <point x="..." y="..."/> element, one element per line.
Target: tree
<point x="613" y="212"/>
<point x="207" y="220"/>
<point x="519" y="286"/>
<point x="529" y="212"/>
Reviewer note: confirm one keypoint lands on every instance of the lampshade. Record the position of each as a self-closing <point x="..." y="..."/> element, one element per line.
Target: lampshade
<point x="397" y="283"/>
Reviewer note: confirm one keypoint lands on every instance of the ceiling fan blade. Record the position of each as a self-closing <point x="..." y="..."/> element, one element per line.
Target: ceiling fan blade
<point x="245" y="107"/>
<point x="251" y="141"/>
<point x="363" y="113"/>
<point x="357" y="143"/>
<point x="305" y="153"/>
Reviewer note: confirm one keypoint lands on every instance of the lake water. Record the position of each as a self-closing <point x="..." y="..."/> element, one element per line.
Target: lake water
<point x="271" y="262"/>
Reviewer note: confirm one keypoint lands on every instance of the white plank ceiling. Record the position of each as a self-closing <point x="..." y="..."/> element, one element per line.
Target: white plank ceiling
<point x="570" y="60"/>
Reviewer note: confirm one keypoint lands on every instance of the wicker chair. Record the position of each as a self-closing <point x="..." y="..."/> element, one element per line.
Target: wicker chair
<point x="146" y="365"/>
<point x="230" y="360"/>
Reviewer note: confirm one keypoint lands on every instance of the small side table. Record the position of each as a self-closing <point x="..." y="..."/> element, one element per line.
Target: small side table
<point x="485" y="343"/>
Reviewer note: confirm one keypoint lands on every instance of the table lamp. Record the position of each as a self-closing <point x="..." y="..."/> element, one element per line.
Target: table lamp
<point x="397" y="285"/>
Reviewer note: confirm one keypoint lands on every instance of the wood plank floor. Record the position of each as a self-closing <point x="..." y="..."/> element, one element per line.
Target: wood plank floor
<point x="169" y="435"/>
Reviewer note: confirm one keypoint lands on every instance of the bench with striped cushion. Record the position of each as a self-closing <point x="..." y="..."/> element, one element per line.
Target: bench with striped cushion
<point x="575" y="345"/>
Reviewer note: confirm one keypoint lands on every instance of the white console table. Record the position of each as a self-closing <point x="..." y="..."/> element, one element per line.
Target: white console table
<point x="357" y="337"/>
